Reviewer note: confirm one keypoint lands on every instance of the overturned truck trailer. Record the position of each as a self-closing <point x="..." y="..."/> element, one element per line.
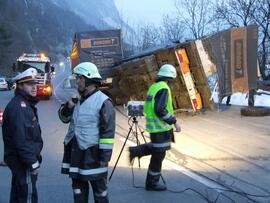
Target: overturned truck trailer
<point x="229" y="56"/>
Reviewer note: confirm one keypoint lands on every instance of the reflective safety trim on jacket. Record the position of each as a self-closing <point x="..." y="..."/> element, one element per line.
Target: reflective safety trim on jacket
<point x="156" y="124"/>
<point x="166" y="116"/>
<point x="106" y="141"/>
<point x="63" y="118"/>
<point x="105" y="146"/>
<point x="161" y="145"/>
<point x="88" y="171"/>
<point x="35" y="165"/>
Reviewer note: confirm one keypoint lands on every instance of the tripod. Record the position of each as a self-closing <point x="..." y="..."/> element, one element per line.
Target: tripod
<point x="135" y="133"/>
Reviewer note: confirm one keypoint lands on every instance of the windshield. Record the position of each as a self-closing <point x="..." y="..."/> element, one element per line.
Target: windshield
<point x="41" y="67"/>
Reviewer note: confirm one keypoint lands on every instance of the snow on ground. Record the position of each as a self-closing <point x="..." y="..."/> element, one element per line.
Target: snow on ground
<point x="242" y="99"/>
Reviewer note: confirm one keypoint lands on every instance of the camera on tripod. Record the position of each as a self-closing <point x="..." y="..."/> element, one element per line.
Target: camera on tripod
<point x="135" y="108"/>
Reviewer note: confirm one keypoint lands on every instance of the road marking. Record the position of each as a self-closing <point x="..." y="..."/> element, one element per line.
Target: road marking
<point x="227" y="150"/>
<point x="204" y="181"/>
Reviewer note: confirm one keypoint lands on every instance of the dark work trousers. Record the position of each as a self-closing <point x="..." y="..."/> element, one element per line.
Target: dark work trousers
<point x="81" y="190"/>
<point x="155" y="164"/>
<point x="146" y="149"/>
<point x="23" y="188"/>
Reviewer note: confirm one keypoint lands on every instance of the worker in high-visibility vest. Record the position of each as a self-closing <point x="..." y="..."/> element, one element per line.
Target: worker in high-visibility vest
<point x="160" y="121"/>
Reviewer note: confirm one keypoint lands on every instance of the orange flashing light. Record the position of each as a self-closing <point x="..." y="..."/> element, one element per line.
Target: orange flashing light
<point x="42" y="55"/>
<point x="74" y="53"/>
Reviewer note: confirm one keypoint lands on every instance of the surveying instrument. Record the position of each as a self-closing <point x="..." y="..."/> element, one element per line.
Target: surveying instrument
<point x="135" y="110"/>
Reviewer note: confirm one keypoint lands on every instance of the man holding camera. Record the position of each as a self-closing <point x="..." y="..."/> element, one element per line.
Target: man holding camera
<point x="89" y="142"/>
<point x="160" y="120"/>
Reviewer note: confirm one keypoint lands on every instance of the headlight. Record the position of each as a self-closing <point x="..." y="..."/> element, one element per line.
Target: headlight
<point x="48" y="89"/>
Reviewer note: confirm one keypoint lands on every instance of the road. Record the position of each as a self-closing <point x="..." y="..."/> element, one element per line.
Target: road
<point x="218" y="154"/>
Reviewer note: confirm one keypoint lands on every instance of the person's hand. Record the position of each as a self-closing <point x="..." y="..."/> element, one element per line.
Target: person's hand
<point x="177" y="127"/>
<point x="72" y="102"/>
<point x="35" y="172"/>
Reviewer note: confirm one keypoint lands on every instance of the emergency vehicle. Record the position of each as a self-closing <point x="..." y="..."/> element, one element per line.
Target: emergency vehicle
<point x="41" y="63"/>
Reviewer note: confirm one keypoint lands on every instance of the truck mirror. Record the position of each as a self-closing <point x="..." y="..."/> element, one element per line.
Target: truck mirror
<point x="52" y="69"/>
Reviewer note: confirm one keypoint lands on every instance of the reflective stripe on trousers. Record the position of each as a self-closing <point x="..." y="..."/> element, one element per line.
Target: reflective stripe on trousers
<point x="152" y="173"/>
<point x="161" y="145"/>
<point x="88" y="171"/>
<point x="29" y="186"/>
<point x="103" y="194"/>
<point x="105" y="146"/>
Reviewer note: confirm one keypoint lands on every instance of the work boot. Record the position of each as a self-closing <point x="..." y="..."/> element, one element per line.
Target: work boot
<point x="139" y="151"/>
<point x="152" y="183"/>
<point x="101" y="199"/>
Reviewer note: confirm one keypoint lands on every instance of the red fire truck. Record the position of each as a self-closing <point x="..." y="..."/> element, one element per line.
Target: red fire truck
<point x="41" y="63"/>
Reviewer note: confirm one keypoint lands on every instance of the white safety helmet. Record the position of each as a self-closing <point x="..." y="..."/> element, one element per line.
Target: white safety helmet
<point x="87" y="69"/>
<point x="168" y="71"/>
<point x="29" y="76"/>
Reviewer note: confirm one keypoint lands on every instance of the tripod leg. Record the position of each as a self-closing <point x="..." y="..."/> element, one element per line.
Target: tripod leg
<point x="130" y="129"/>
<point x="137" y="139"/>
<point x="141" y="131"/>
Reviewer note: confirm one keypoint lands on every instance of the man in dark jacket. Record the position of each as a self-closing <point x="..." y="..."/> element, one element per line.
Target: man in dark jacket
<point x="22" y="139"/>
<point x="160" y="120"/>
<point x="89" y="141"/>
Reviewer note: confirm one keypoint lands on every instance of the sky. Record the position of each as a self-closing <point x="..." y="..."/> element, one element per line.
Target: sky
<point x="144" y="11"/>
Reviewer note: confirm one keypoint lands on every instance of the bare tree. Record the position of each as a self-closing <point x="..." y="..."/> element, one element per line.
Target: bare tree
<point x="128" y="35"/>
<point x="172" y="29"/>
<point x="148" y="36"/>
<point x="196" y="14"/>
<point x="238" y="13"/>
<point x="262" y="18"/>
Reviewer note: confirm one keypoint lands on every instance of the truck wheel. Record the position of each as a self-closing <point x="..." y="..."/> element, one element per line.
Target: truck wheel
<point x="255" y="111"/>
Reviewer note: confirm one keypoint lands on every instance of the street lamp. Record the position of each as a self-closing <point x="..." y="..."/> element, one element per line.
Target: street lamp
<point x="61" y="64"/>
